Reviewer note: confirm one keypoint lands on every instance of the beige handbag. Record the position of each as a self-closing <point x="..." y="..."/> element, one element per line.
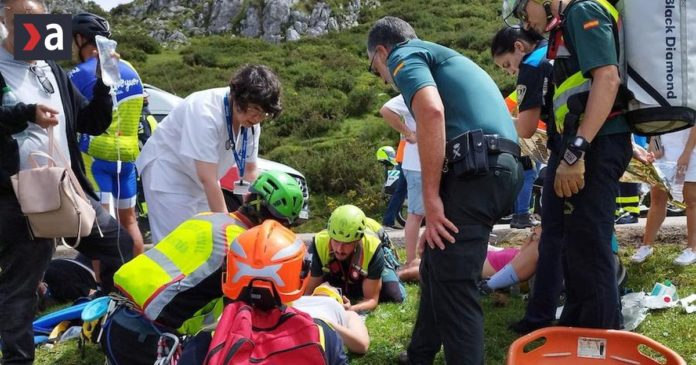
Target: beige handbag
<point x="52" y="199"/>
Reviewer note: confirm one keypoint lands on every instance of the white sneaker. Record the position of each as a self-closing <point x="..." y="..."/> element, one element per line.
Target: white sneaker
<point x="642" y="253"/>
<point x="687" y="257"/>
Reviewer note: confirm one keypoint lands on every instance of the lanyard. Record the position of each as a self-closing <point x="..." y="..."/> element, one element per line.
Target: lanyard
<point x="239" y="159"/>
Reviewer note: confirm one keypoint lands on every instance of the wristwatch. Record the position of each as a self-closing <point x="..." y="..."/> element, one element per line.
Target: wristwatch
<point x="576" y="150"/>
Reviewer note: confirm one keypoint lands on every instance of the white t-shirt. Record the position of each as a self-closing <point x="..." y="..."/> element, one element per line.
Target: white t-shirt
<point x="322" y="307"/>
<point x="26" y="86"/>
<point x="411" y="159"/>
<point x="195" y="130"/>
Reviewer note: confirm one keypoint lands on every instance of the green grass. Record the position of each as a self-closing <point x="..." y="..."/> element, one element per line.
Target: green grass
<point x="391" y="324"/>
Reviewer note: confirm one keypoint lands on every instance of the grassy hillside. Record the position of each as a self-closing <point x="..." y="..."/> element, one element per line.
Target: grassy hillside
<point x="330" y="128"/>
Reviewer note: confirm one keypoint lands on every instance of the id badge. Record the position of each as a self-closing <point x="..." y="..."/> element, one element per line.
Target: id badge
<point x="241" y="187"/>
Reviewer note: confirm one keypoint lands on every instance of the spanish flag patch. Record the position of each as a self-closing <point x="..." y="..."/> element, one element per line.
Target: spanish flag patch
<point x="397" y="69"/>
<point x="590" y="24"/>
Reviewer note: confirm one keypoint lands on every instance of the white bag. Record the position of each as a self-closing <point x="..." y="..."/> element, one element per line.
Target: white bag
<point x="660" y="64"/>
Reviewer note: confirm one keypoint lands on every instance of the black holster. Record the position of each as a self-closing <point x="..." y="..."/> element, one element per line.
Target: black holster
<point x="467" y="154"/>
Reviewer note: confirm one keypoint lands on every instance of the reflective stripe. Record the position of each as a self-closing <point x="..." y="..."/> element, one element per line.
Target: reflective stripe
<point x="264" y="272"/>
<point x="627" y="199"/>
<point x="573" y="85"/>
<point x="288" y="251"/>
<point x="632" y="209"/>
<point x="576" y="83"/>
<point x="191" y="253"/>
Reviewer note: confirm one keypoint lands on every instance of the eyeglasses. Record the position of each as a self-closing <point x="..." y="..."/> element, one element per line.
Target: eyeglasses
<point x="260" y="113"/>
<point x="520" y="11"/>
<point x="370" y="69"/>
<point x="43" y="80"/>
<point x="518" y="15"/>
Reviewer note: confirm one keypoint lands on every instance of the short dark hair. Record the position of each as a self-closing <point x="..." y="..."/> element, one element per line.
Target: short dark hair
<point x="389" y="31"/>
<point x="504" y="40"/>
<point x="259" y="85"/>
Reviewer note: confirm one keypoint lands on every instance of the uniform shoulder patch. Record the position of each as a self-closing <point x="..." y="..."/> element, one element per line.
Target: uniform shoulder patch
<point x="521" y="90"/>
<point x="590" y="24"/>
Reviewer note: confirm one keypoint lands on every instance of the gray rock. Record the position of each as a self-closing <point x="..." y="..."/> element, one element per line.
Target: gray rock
<point x="177" y="37"/>
<point x="315" y="32"/>
<point x="251" y="25"/>
<point x="275" y="15"/>
<point x="332" y="25"/>
<point x="159" y="35"/>
<point x="300" y="27"/>
<point x="320" y="14"/>
<point x="292" y="35"/>
<point x="188" y="24"/>
<point x="223" y="11"/>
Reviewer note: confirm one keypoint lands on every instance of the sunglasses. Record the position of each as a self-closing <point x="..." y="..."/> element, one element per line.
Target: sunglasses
<point x="43" y="80"/>
<point x="372" y="62"/>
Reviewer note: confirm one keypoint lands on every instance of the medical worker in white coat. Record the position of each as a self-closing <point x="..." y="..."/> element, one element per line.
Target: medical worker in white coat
<point x="210" y="132"/>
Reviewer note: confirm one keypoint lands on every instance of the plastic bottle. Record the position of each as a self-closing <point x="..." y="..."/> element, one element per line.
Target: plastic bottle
<point x="8" y="97"/>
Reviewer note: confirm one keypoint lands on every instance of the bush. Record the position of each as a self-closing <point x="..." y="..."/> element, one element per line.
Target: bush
<point x="137" y="40"/>
<point x="133" y="55"/>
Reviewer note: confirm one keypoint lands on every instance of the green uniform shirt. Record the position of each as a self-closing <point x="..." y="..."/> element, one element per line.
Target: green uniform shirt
<point x="590" y="37"/>
<point x="470" y="97"/>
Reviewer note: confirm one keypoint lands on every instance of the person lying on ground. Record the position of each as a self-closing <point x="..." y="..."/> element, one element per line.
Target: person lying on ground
<point x="326" y="303"/>
<point x="503" y="267"/>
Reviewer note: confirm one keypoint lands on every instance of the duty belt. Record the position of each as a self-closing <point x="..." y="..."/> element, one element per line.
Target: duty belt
<point x="497" y="145"/>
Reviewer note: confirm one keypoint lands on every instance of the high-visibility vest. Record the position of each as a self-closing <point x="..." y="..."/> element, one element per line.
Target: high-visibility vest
<point x="575" y="84"/>
<point x="364" y="251"/>
<point x="170" y="271"/>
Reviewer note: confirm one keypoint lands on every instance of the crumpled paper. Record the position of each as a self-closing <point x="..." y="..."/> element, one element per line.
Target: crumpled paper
<point x="686" y="303"/>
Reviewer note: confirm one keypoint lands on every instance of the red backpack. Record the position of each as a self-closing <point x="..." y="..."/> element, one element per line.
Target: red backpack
<point x="280" y="336"/>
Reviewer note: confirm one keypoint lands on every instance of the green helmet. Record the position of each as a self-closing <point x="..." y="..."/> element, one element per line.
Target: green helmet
<point x="386" y="154"/>
<point x="281" y="194"/>
<point x="346" y="224"/>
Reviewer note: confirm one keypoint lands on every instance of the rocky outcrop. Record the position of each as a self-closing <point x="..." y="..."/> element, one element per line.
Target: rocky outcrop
<point x="272" y="20"/>
<point x="223" y="12"/>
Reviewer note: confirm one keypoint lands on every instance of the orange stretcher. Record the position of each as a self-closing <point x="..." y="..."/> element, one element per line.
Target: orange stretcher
<point x="580" y="346"/>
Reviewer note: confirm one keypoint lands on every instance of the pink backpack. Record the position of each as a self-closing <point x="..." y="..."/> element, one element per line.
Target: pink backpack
<point x="280" y="336"/>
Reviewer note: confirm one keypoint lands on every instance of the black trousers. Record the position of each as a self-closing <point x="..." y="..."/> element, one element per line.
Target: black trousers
<point x="548" y="279"/>
<point x="449" y="313"/>
<point x="586" y="232"/>
<point x="24" y="260"/>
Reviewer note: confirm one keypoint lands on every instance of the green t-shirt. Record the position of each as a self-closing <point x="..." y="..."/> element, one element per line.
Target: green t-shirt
<point x="590" y="36"/>
<point x="470" y="97"/>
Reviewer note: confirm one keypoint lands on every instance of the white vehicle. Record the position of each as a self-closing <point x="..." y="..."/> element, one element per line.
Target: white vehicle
<point x="162" y="102"/>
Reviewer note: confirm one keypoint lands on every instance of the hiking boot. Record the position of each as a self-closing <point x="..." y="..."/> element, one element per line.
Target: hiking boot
<point x="524" y="327"/>
<point x="687" y="257"/>
<point x="641" y="254"/>
<point x="522" y="221"/>
<point x="626" y="218"/>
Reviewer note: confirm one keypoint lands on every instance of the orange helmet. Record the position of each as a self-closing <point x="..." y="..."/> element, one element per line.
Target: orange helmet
<point x="266" y="266"/>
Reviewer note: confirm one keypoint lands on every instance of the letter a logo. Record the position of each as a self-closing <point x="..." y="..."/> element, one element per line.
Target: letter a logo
<point x="42" y="36"/>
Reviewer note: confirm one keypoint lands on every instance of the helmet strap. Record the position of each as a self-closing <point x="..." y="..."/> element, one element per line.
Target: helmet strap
<point x="547" y="9"/>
